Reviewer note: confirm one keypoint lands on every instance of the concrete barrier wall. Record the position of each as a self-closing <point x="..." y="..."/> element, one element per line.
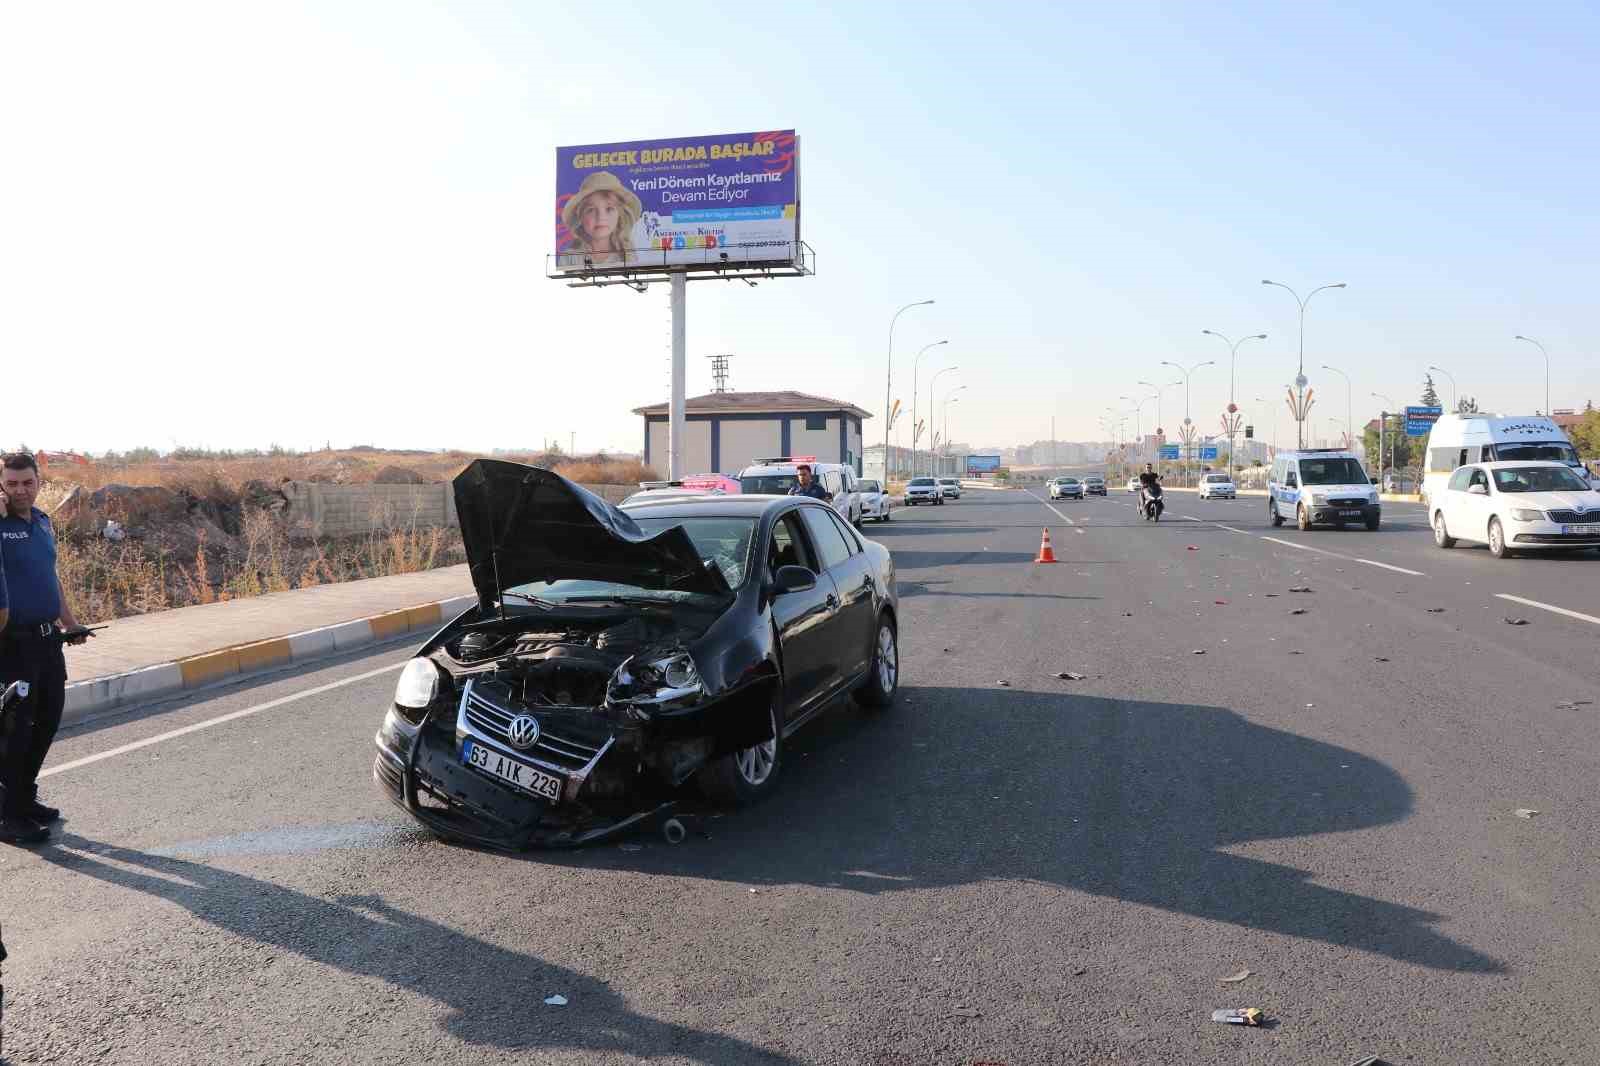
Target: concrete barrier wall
<point x="323" y="510"/>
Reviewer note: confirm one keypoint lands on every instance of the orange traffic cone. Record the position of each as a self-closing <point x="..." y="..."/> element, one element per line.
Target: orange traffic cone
<point x="1047" y="554"/>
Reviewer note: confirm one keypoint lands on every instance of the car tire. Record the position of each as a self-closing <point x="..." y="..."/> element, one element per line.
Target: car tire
<point x="743" y="778"/>
<point x="883" y="676"/>
<point x="1441" y="536"/>
<point x="1497" y="541"/>
<point x="1302" y="518"/>
<point x="1373" y="523"/>
<point x="1272" y="513"/>
<point x="884" y="517"/>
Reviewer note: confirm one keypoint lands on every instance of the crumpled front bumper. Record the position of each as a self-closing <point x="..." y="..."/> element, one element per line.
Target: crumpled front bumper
<point x="420" y="770"/>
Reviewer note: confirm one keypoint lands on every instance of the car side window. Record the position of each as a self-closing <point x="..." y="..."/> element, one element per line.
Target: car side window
<point x="788" y="546"/>
<point x="832" y="482"/>
<point x="1292" y="479"/>
<point x="1479" y="478"/>
<point x="1458" y="480"/>
<point x="852" y="539"/>
<point x="830" y="542"/>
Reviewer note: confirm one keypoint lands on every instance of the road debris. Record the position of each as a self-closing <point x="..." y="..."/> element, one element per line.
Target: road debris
<point x="961" y="1010"/>
<point x="555" y="1001"/>
<point x="1525" y="813"/>
<point x="1301" y="588"/>
<point x="1436" y="610"/>
<point x="1198" y="651"/>
<point x="1233" y="979"/>
<point x="1572" y="705"/>
<point x="1300" y="610"/>
<point x="1194" y="547"/>
<point x="1068" y="675"/>
<point x="1516" y="621"/>
<point x="1238" y="1016"/>
<point x="1003" y="684"/>
<point x="1379" y="659"/>
<point x="1220" y="603"/>
<point x="1297" y="653"/>
<point x="1271" y="595"/>
<point x="1371" y="1060"/>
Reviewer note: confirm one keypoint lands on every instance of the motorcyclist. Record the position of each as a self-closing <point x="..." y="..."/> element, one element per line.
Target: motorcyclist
<point x="1149" y="485"/>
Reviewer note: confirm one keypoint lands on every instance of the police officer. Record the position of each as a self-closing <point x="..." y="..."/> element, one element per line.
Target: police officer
<point x="809" y="486"/>
<point x="30" y="649"/>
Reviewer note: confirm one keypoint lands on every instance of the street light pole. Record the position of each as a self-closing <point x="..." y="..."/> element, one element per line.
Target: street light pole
<point x="1455" y="395"/>
<point x="1233" y="352"/>
<point x="1138" y="420"/>
<point x="1382" y="426"/>
<point x="932" y="417"/>
<point x="1300" y="376"/>
<point x="915" y="363"/>
<point x="888" y="385"/>
<point x="1539" y="346"/>
<point x="949" y="399"/>
<point x="1187" y="423"/>
<point x="1160" y="422"/>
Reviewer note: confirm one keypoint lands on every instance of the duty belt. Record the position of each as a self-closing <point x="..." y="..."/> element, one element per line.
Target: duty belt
<point x="31" y="629"/>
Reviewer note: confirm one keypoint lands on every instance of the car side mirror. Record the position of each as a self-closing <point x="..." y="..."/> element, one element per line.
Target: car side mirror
<point x="1478" y="490"/>
<point x="793" y="579"/>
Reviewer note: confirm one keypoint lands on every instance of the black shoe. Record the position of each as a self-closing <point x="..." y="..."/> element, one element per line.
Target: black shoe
<point x="18" y="830"/>
<point x="42" y="814"/>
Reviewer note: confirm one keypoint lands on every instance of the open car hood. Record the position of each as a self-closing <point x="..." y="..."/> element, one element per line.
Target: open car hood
<point x="523" y="523"/>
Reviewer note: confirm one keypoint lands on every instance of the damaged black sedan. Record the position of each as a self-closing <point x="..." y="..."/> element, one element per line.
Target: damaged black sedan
<point x="618" y="657"/>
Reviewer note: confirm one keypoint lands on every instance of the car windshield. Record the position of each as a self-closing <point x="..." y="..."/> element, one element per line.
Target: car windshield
<point x="868" y="486"/>
<point x="723" y="541"/>
<point x="922" y="482"/>
<point x="1217" y="479"/>
<point x="1069" y="481"/>
<point x="1551" y="451"/>
<point x="1331" y="472"/>
<point x="1538" y="479"/>
<point x="1092" y="480"/>
<point x="947" y="481"/>
<point x="768" y="484"/>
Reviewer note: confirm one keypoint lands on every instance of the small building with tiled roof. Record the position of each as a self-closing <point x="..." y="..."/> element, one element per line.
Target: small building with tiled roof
<point x="728" y="431"/>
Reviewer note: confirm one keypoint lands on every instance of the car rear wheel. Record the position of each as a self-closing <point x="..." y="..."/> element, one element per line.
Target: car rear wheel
<point x="884" y="676"/>
<point x="743" y="777"/>
<point x="1497" y="541"/>
<point x="1441" y="536"/>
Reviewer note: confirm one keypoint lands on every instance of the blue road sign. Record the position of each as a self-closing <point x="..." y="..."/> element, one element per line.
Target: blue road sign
<point x="1420" y="420"/>
<point x="1208" y="453"/>
<point x="1169" y="451"/>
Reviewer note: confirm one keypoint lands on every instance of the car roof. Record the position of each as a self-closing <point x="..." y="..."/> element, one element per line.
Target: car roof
<point x="1320" y="453"/>
<point x="757" y="469"/>
<point x="1504" y="463"/>
<point x="743" y="505"/>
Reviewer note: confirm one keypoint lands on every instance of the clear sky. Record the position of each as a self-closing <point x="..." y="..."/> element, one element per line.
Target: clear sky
<point x="237" y="225"/>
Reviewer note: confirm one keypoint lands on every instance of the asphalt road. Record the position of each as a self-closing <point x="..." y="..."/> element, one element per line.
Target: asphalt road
<point x="1046" y="871"/>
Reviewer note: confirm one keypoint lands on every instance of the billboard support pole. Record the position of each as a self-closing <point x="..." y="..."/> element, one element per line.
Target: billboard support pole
<point x="676" y="423"/>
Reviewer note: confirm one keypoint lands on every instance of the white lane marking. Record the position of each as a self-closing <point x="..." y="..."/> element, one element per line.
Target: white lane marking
<point x="88" y="760"/>
<point x="1058" y="514"/>
<point x="1396" y="569"/>
<point x="1303" y="547"/>
<point x="1549" y="607"/>
<point x="1219" y="525"/>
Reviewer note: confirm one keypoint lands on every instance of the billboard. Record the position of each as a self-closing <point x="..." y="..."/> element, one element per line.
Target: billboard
<point x="1420" y="420"/>
<point x="703" y="202"/>
<point x="983" y="464"/>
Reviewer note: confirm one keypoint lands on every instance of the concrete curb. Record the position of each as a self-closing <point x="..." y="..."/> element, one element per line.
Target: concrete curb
<point x="98" y="695"/>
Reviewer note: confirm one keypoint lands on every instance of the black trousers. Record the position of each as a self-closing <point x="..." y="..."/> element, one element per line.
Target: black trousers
<point x="30" y="724"/>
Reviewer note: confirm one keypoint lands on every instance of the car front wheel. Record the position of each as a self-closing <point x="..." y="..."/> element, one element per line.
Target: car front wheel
<point x="884" y="677"/>
<point x="1302" y="518"/>
<point x="1441" y="537"/>
<point x="1497" y="541"/>
<point x="1272" y="513"/>
<point x="741" y="778"/>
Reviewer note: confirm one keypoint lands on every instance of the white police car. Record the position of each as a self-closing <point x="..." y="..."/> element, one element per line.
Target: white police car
<point x="1321" y="486"/>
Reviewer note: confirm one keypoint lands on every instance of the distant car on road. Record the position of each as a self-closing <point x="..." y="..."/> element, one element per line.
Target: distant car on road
<point x="1217" y="487"/>
<point x="1133" y="484"/>
<point x="1094" y="485"/>
<point x="1516" y="506"/>
<point x="1066" y="488"/>
<point x="874" y="501"/>
<point x="950" y="487"/>
<point x="776" y="476"/>
<point x="923" y="490"/>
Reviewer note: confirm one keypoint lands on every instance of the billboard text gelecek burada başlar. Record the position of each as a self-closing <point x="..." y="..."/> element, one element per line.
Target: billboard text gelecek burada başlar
<point x="682" y="202"/>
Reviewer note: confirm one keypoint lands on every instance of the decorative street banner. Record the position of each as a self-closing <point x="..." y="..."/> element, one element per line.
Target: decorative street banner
<point x="1420" y="420"/>
<point x="703" y="202"/>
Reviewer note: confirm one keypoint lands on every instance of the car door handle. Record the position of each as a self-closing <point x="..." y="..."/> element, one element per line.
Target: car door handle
<point x="832" y="601"/>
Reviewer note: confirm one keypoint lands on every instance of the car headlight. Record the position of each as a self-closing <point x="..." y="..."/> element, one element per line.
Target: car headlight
<point x="1318" y="499"/>
<point x="1523" y="514"/>
<point x="418" y="684"/>
<point x="672" y="680"/>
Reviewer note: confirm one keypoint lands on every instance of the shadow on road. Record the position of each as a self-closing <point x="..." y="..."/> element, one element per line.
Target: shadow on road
<point x="495" y="995"/>
<point x="911" y="589"/>
<point x="1129" y="800"/>
<point x="917" y="560"/>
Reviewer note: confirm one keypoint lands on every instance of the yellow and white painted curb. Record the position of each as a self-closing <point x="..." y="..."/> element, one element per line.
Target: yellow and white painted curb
<point x="96" y="696"/>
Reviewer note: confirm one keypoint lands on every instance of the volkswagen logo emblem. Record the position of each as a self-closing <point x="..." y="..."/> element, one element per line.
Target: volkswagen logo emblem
<point x="523" y="732"/>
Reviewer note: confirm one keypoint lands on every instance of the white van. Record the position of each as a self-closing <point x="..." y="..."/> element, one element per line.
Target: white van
<point x="1321" y="486"/>
<point x="1457" y="440"/>
<point x="776" y="476"/>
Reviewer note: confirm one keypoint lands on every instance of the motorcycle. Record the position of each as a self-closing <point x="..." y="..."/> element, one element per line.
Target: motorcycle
<point x="1151" y="504"/>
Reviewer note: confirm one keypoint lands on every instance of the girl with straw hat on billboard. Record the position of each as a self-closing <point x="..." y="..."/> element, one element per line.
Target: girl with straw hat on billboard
<point x="600" y="216"/>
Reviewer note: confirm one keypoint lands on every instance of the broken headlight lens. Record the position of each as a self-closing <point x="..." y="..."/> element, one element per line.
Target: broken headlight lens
<point x="418" y="684"/>
<point x="671" y="679"/>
